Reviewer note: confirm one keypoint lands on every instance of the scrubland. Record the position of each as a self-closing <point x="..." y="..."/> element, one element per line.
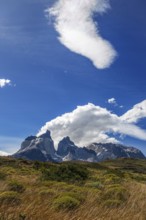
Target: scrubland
<point x="111" y="190"/>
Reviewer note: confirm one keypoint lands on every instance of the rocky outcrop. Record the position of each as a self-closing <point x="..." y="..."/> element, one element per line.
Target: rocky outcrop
<point x="69" y="151"/>
<point x="112" y="151"/>
<point x="38" y="148"/>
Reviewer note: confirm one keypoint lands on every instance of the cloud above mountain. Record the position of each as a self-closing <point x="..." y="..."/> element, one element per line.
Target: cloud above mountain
<point x="91" y="123"/>
<point x="4" y="82"/>
<point x="79" y="32"/>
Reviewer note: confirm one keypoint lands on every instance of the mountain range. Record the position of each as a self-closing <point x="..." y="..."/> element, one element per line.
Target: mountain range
<point x="42" y="148"/>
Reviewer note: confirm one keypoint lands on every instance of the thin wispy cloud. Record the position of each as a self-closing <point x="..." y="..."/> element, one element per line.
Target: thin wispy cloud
<point x="136" y="113"/>
<point x="78" y="31"/>
<point x="90" y="123"/>
<point x="5" y="82"/>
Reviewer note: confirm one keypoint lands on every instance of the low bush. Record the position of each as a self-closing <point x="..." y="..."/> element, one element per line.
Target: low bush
<point x="37" y="165"/>
<point x="139" y="178"/>
<point x="9" y="197"/>
<point x="76" y="195"/>
<point x="66" y="203"/>
<point x="115" y="193"/>
<point x="96" y="184"/>
<point x="2" y="176"/>
<point x="112" y="203"/>
<point x="47" y="192"/>
<point x="66" y="173"/>
<point x="16" y="186"/>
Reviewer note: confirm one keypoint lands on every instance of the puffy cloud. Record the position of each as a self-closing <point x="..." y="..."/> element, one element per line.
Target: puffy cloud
<point x="4" y="82"/>
<point x="78" y="31"/>
<point x="112" y="101"/>
<point x="136" y="113"/>
<point x="91" y="123"/>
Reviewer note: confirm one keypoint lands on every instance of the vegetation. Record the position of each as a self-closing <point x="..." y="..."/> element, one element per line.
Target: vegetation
<point x="16" y="186"/>
<point x="9" y="198"/>
<point x="109" y="190"/>
<point x="66" y="172"/>
<point x="66" y="203"/>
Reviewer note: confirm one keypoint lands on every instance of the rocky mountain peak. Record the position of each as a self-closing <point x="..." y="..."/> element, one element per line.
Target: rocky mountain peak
<point x="35" y="147"/>
<point x="66" y="140"/>
<point x="42" y="148"/>
<point x="30" y="138"/>
<point x="65" y="146"/>
<point x="47" y="134"/>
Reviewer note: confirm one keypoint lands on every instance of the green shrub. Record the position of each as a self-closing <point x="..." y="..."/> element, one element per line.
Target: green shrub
<point x="139" y="178"/>
<point x="47" y="192"/>
<point x="112" y="179"/>
<point x="2" y="176"/>
<point x="76" y="195"/>
<point x="37" y="165"/>
<point x="117" y="172"/>
<point x="115" y="193"/>
<point x="16" y="186"/>
<point x="110" y="203"/>
<point x="97" y="185"/>
<point x="66" y="203"/>
<point x="9" y="197"/>
<point x="66" y="173"/>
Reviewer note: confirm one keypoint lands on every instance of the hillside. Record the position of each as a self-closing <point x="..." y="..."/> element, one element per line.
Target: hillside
<point x="110" y="190"/>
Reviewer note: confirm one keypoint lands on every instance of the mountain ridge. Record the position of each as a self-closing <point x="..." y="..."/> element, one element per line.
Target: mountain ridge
<point x="42" y="148"/>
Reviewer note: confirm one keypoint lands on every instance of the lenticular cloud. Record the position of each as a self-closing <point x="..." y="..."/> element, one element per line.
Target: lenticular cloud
<point x="78" y="31"/>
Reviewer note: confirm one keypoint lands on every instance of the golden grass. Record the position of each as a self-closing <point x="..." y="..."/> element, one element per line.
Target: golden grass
<point x="106" y="195"/>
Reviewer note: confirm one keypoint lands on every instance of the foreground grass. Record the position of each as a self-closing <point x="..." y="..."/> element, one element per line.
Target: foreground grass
<point x="112" y="190"/>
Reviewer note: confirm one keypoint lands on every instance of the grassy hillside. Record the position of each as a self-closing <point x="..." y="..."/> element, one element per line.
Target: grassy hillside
<point x="111" y="190"/>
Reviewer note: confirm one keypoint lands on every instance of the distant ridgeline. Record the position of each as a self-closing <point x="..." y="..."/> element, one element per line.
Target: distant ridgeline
<point x="42" y="148"/>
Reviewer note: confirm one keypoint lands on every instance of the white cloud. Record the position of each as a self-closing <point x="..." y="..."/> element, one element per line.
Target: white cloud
<point x="78" y="31"/>
<point x="4" y="82"/>
<point x="2" y="153"/>
<point x="136" y="113"/>
<point x="112" y="101"/>
<point x="91" y="123"/>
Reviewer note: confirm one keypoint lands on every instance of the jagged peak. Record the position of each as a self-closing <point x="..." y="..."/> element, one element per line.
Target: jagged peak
<point x="47" y="134"/>
<point x="67" y="140"/>
<point x="30" y="138"/>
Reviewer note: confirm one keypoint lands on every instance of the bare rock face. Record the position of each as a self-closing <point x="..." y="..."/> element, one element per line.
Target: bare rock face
<point x="42" y="148"/>
<point x="37" y="148"/>
<point x="69" y="151"/>
<point x="113" y="151"/>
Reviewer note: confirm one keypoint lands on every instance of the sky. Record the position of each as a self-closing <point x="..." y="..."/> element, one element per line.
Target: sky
<point x="75" y="67"/>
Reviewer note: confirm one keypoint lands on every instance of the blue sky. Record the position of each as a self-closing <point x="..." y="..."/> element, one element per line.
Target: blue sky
<point x="48" y="80"/>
